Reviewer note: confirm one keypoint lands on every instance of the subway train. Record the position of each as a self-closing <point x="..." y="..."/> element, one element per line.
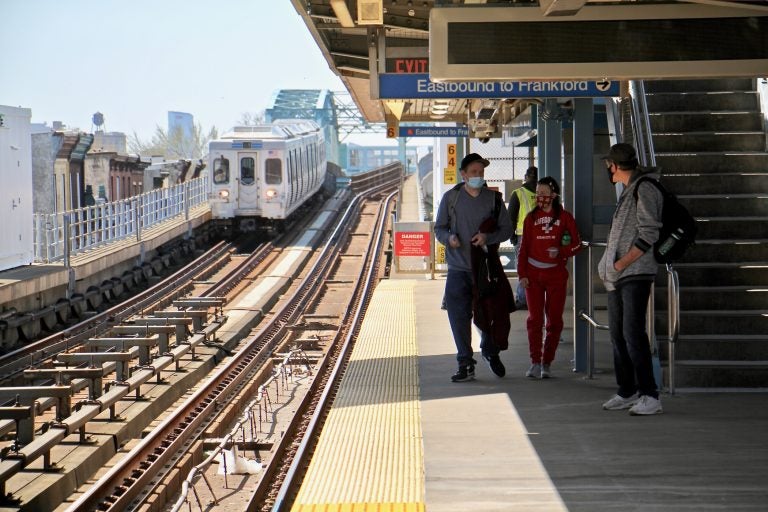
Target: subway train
<point x="261" y="175"/>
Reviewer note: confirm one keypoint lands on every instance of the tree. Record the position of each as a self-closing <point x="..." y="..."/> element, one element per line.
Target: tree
<point x="252" y="118"/>
<point x="175" y="145"/>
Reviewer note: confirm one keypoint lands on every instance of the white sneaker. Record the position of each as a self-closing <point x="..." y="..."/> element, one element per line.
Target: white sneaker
<point x="646" y="406"/>
<point x="618" y="402"/>
<point x="534" y="371"/>
<point x="545" y="373"/>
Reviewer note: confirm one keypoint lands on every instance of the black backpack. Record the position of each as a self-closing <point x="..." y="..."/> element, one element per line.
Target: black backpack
<point x="678" y="227"/>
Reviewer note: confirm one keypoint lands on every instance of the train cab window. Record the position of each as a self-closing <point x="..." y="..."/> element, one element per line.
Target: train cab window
<point x="220" y="171"/>
<point x="273" y="172"/>
<point x="247" y="170"/>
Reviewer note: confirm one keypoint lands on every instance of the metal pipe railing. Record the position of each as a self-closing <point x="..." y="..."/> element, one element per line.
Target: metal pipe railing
<point x="641" y="123"/>
<point x="673" y="322"/>
<point x="59" y="235"/>
<point x="588" y="315"/>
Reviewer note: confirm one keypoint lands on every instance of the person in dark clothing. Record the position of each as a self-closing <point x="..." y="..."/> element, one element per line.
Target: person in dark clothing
<point x="462" y="211"/>
<point x="628" y="269"/>
<point x="521" y="203"/>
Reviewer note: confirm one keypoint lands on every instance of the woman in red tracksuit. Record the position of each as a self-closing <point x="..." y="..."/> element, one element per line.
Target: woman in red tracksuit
<point x="550" y="237"/>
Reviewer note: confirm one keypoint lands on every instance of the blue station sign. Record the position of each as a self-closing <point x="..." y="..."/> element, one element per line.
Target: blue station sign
<point x="433" y="131"/>
<point x="419" y="86"/>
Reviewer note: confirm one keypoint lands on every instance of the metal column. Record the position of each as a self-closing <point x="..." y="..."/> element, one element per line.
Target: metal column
<point x="580" y="199"/>
<point x="550" y="137"/>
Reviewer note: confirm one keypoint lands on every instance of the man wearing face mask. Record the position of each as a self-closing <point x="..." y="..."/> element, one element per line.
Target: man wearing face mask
<point x="628" y="269"/>
<point x="461" y="212"/>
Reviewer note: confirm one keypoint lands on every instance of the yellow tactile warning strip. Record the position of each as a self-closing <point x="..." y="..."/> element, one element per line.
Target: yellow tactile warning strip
<point x="369" y="457"/>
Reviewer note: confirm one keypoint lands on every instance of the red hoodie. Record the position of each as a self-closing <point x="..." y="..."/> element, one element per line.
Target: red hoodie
<point x="538" y="236"/>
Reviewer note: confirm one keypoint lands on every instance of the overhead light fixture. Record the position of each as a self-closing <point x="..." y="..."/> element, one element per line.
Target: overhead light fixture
<point x="342" y="13"/>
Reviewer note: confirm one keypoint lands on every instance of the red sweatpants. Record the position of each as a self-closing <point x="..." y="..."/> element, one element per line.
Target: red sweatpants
<point x="546" y="296"/>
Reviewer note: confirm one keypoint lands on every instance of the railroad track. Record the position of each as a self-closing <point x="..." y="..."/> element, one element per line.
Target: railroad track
<point x="131" y="488"/>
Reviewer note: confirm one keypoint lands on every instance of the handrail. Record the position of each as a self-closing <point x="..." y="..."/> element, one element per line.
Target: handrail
<point x="673" y="322"/>
<point x="641" y="123"/>
<point x="588" y="315"/>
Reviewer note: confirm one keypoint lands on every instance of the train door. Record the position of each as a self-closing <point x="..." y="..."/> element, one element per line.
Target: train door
<point x="248" y="198"/>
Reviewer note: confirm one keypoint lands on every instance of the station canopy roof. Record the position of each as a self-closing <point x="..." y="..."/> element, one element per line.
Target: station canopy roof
<point x="373" y="44"/>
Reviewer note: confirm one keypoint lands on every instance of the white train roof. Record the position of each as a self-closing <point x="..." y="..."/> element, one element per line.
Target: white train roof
<point x="279" y="129"/>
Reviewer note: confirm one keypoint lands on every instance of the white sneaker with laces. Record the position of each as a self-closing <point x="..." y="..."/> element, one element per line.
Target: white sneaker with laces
<point x="646" y="406"/>
<point x="534" y="371"/>
<point x="618" y="402"/>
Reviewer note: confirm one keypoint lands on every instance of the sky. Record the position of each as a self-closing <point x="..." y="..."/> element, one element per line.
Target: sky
<point x="135" y="60"/>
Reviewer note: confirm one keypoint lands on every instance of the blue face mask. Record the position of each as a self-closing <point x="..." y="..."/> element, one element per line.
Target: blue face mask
<point x="475" y="182"/>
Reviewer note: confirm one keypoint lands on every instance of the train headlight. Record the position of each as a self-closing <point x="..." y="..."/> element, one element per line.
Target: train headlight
<point x="271" y="193"/>
<point x="224" y="194"/>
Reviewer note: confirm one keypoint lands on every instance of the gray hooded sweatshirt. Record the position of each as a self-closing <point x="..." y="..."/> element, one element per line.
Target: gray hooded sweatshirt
<point x="634" y="223"/>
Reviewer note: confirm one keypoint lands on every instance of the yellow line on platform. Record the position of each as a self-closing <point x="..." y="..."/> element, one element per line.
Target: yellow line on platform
<point x="369" y="456"/>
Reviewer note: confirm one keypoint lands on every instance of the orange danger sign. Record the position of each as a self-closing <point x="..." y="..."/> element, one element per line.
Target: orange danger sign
<point x="412" y="243"/>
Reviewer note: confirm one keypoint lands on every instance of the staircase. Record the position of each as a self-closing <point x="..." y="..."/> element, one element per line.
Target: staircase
<point x="710" y="143"/>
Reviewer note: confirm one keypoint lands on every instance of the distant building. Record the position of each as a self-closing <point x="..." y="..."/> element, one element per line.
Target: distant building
<point x="115" y="142"/>
<point x="181" y="121"/>
<point x="364" y="158"/>
<point x="16" y="188"/>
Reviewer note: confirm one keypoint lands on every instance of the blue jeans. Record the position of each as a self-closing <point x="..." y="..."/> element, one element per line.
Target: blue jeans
<point x="627" y="308"/>
<point x="520" y="297"/>
<point x="458" y="301"/>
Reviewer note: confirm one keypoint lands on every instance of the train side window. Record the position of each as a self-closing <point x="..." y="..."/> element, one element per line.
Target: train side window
<point x="220" y="171"/>
<point x="273" y="172"/>
<point x="247" y="171"/>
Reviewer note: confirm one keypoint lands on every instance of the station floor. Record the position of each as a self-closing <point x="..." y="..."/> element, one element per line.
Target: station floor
<point x="419" y="442"/>
<point x="514" y="443"/>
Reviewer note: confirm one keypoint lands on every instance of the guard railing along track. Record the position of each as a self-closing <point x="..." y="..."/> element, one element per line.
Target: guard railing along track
<point x="125" y="485"/>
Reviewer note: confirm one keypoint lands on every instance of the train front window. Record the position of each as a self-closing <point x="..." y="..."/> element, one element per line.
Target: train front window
<point x="273" y="172"/>
<point x="247" y="171"/>
<point x="220" y="171"/>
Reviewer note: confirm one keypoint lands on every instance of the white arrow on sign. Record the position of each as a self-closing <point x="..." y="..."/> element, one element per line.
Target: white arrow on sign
<point x="504" y="261"/>
<point x="603" y="85"/>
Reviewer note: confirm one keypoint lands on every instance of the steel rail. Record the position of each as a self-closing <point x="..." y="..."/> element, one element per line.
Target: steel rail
<point x="315" y="422"/>
<point x="126" y="482"/>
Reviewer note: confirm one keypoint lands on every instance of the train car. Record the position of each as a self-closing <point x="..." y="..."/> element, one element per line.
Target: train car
<point x="260" y="175"/>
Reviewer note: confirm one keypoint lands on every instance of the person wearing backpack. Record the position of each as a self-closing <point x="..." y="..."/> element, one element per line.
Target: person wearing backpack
<point x="462" y="211"/>
<point x="628" y="269"/>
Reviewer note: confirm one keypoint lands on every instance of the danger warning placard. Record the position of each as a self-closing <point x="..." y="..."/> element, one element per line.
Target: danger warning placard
<point x="412" y="243"/>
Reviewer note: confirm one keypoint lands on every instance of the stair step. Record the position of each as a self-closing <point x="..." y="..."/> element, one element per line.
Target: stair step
<point x="708" y="141"/>
<point x="723" y="348"/>
<point x="742" y="205"/>
<point x="747" y="228"/>
<point x="715" y="101"/>
<point x="716" y="183"/>
<point x="682" y="122"/>
<point x="749" y="252"/>
<point x="711" y="297"/>
<point x="717" y="274"/>
<point x="700" y="374"/>
<point x="700" y="85"/>
<point x="724" y="322"/>
<point x="713" y="162"/>
<point x="722" y="364"/>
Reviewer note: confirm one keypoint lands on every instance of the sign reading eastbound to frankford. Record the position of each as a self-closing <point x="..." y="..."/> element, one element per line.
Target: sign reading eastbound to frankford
<point x="418" y="86"/>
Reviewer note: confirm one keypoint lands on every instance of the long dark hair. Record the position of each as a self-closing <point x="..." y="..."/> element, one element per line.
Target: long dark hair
<point x="556" y="207"/>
